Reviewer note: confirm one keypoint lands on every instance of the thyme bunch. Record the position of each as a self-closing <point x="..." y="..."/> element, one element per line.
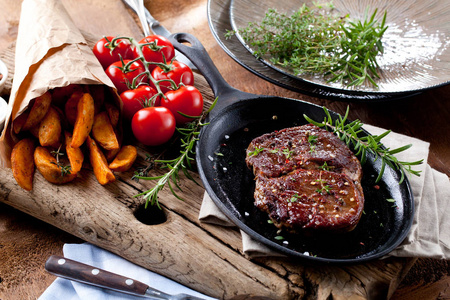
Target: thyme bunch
<point x="313" y="40"/>
<point x="65" y="169"/>
<point x="189" y="135"/>
<point x="350" y="133"/>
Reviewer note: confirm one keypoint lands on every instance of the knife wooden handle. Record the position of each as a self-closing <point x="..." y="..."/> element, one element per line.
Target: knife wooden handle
<point x="73" y="270"/>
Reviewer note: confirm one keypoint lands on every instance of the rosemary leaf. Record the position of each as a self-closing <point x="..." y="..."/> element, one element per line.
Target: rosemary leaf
<point x="350" y="134"/>
<point x="400" y="149"/>
<point x="315" y="40"/>
<point x="189" y="137"/>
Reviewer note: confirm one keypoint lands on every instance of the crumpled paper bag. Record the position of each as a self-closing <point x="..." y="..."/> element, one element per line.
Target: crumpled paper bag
<point x="51" y="52"/>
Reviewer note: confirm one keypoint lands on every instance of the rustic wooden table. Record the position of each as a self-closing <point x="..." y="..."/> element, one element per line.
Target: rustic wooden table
<point x="26" y="241"/>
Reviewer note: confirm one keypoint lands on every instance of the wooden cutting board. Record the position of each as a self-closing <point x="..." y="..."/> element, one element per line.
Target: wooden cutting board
<point x="207" y="258"/>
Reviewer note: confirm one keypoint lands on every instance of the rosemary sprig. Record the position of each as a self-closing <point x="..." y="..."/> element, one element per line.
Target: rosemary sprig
<point x="350" y="133"/>
<point x="189" y="137"/>
<point x="313" y="40"/>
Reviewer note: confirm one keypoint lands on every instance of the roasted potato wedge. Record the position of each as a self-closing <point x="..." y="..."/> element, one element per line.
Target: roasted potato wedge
<point x="102" y="172"/>
<point x="50" y="129"/>
<point x="22" y="163"/>
<point x="124" y="159"/>
<point x="48" y="166"/>
<point x="35" y="132"/>
<point x="75" y="155"/>
<point x="19" y="122"/>
<point x="61" y="94"/>
<point x="113" y="113"/>
<point x="103" y="132"/>
<point x="84" y="120"/>
<point x="38" y="111"/>
<point x="111" y="154"/>
<point x="71" y="107"/>
<point x="98" y="94"/>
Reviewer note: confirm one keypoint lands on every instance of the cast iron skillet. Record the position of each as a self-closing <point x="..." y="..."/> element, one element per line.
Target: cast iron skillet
<point x="237" y="118"/>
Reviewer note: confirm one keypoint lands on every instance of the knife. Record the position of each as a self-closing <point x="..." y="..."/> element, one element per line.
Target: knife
<point x="147" y="20"/>
<point x="76" y="271"/>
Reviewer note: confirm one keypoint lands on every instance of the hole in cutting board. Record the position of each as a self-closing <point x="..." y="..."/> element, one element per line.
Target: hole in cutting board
<point x="152" y="215"/>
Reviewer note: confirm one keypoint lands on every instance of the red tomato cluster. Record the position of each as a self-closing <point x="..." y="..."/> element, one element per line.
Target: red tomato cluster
<point x="157" y="91"/>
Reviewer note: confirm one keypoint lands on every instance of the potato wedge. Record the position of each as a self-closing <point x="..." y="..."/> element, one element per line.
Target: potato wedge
<point x="113" y="114"/>
<point x="124" y="159"/>
<point x="102" y="172"/>
<point x="19" y="122"/>
<point x="50" y="129"/>
<point x="22" y="163"/>
<point x="103" y="132"/>
<point x="75" y="155"/>
<point x="61" y="94"/>
<point x="49" y="168"/>
<point x="111" y="154"/>
<point x="84" y="120"/>
<point x="35" y="132"/>
<point x="71" y="107"/>
<point x="38" y="111"/>
<point x="98" y="94"/>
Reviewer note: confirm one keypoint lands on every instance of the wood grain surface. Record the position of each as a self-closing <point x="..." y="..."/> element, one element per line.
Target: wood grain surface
<point x="205" y="257"/>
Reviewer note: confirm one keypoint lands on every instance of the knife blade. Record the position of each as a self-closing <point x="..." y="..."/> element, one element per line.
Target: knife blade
<point x="76" y="271"/>
<point x="147" y="20"/>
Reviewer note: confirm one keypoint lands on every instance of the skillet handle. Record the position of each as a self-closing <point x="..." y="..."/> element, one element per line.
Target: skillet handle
<point x="225" y="93"/>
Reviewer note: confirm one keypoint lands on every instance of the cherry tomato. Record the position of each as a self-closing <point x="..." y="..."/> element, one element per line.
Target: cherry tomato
<point x="161" y="49"/>
<point x="122" y="78"/>
<point x="106" y="57"/>
<point x="153" y="126"/>
<point x="134" y="100"/>
<point x="177" y="71"/>
<point x="187" y="99"/>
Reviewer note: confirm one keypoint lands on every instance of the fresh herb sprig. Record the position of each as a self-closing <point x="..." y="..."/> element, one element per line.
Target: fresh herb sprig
<point x="189" y="136"/>
<point x="312" y="140"/>
<point x="350" y="133"/>
<point x="65" y="169"/>
<point x="314" y="40"/>
<point x="360" y="46"/>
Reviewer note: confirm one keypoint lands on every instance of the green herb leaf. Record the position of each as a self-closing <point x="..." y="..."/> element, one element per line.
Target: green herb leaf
<point x="316" y="40"/>
<point x="349" y="132"/>
<point x="189" y="137"/>
<point x="65" y="169"/>
<point x="256" y="151"/>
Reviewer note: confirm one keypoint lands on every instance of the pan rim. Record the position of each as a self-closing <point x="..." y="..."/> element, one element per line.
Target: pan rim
<point x="386" y="248"/>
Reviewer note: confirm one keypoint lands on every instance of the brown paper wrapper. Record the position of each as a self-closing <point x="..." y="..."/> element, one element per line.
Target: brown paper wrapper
<point x="51" y="52"/>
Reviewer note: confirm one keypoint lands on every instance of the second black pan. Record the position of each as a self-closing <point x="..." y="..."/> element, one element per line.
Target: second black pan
<point x="237" y="118"/>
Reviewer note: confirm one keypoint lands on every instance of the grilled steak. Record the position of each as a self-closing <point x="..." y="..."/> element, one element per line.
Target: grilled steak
<point x="304" y="147"/>
<point x="306" y="178"/>
<point x="310" y="199"/>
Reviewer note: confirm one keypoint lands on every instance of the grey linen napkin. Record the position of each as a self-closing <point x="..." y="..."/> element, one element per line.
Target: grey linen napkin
<point x="430" y="232"/>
